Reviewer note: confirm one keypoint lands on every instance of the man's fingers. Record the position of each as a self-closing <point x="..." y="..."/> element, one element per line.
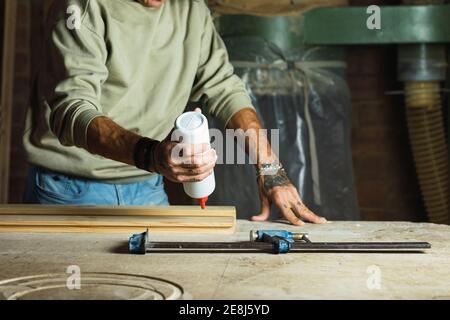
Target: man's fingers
<point x="283" y="204"/>
<point x="287" y="212"/>
<point x="303" y="212"/>
<point x="194" y="171"/>
<point x="265" y="210"/>
<point x="199" y="160"/>
<point x="198" y="178"/>
<point x="194" y="168"/>
<point x="194" y="161"/>
<point x="194" y="149"/>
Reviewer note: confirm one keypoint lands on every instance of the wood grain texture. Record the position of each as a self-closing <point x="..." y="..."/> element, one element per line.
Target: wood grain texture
<point x="195" y="211"/>
<point x="25" y="218"/>
<point x="113" y="230"/>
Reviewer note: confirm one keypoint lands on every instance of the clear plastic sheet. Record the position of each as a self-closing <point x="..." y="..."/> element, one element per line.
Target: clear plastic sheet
<point x="319" y="125"/>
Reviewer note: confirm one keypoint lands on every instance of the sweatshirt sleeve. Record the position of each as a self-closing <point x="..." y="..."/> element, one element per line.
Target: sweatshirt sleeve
<point x="216" y="86"/>
<point x="74" y="71"/>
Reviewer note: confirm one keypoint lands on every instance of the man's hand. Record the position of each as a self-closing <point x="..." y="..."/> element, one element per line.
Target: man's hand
<point x="275" y="188"/>
<point x="184" y="163"/>
<point x="279" y="190"/>
<point x="177" y="162"/>
<point x="180" y="162"/>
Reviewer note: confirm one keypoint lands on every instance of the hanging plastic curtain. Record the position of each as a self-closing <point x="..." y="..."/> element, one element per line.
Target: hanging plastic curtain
<point x="304" y="95"/>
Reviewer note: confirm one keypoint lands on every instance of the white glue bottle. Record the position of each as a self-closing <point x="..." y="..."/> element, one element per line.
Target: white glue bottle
<point x="192" y="128"/>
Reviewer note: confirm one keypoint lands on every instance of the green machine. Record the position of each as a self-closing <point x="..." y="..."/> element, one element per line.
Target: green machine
<point x="422" y="33"/>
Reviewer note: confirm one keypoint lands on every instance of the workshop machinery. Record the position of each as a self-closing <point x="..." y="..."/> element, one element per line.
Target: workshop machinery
<point x="267" y="51"/>
<point x="421" y="29"/>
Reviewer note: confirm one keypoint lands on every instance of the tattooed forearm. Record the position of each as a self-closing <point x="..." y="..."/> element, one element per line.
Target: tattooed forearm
<point x="279" y="179"/>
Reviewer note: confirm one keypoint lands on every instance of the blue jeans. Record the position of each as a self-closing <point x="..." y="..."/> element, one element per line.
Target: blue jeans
<point x="47" y="187"/>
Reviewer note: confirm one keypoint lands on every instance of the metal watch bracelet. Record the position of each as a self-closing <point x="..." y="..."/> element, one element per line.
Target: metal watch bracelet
<point x="269" y="169"/>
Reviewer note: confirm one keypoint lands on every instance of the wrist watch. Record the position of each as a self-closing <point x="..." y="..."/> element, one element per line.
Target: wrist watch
<point x="269" y="169"/>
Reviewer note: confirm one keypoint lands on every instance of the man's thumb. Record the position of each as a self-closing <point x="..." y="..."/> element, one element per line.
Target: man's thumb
<point x="265" y="211"/>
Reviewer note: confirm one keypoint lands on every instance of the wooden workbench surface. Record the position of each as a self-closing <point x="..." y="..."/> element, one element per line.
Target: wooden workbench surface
<point x="253" y="276"/>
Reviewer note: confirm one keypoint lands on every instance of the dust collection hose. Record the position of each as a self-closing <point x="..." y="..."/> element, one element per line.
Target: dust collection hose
<point x="429" y="148"/>
<point x="422" y="68"/>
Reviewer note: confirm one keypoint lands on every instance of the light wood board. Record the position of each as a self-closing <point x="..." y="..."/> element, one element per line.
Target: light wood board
<point x="23" y="218"/>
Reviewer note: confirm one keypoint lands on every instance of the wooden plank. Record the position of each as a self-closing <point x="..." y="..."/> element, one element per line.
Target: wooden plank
<point x="116" y="221"/>
<point x="6" y="98"/>
<point x="31" y="218"/>
<point x="196" y="211"/>
<point x="125" y="230"/>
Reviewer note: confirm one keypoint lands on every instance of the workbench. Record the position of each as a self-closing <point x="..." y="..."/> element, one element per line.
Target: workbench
<point x="248" y="275"/>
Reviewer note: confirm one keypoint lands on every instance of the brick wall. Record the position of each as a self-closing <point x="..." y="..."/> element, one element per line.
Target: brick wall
<point x="386" y="181"/>
<point x="385" y="177"/>
<point x="22" y="80"/>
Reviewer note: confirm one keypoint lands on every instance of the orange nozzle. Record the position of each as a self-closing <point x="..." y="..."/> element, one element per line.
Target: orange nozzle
<point x="202" y="202"/>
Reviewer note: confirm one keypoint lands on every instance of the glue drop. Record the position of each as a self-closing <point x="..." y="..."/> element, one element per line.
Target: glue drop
<point x="192" y="128"/>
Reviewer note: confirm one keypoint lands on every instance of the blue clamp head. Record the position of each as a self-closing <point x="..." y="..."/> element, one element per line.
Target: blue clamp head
<point x="280" y="244"/>
<point x="137" y="243"/>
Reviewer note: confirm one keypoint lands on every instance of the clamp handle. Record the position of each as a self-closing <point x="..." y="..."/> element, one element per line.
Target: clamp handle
<point x="138" y="242"/>
<point x="280" y="244"/>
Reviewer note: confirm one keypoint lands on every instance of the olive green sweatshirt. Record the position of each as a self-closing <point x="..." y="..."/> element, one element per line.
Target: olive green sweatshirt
<point x="136" y="65"/>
